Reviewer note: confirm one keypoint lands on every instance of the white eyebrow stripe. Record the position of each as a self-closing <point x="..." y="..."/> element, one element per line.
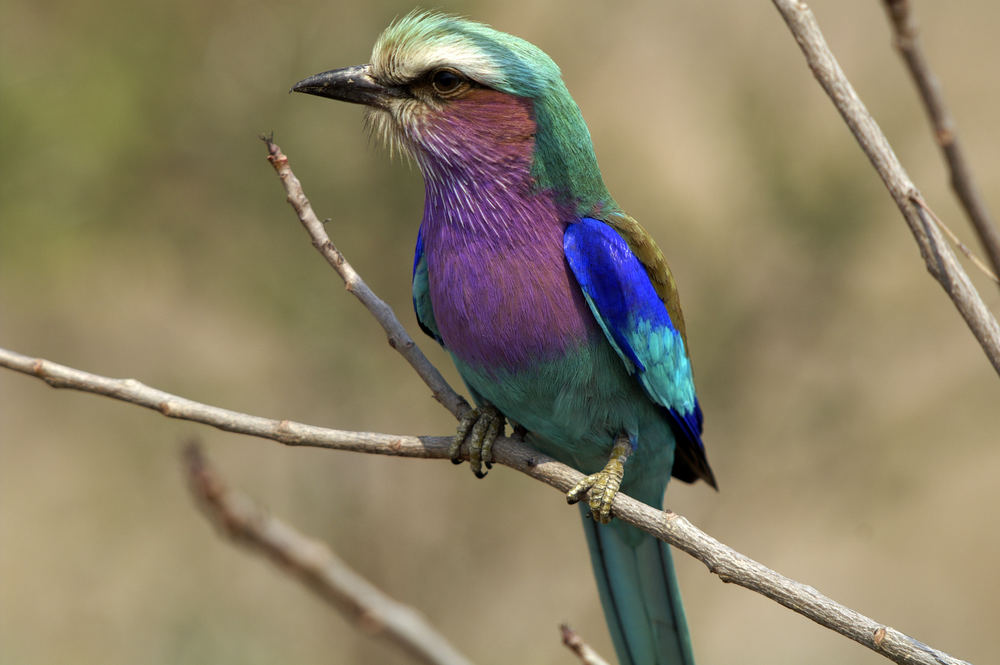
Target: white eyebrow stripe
<point x="405" y="62"/>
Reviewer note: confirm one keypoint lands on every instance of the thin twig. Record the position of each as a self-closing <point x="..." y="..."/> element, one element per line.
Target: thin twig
<point x="938" y="257"/>
<point x="399" y="339"/>
<point x="319" y="569"/>
<point x="907" y="42"/>
<point x="727" y="563"/>
<point x="956" y="242"/>
<point x="583" y="651"/>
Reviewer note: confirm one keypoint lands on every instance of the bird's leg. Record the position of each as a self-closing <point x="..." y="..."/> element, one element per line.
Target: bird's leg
<point x="603" y="485"/>
<point x="480" y="428"/>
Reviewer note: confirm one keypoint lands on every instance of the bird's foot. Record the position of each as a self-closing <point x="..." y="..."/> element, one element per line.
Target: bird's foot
<point x="479" y="428"/>
<point x="601" y="487"/>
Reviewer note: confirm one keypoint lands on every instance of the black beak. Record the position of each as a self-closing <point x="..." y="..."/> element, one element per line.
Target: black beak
<point x="350" y="84"/>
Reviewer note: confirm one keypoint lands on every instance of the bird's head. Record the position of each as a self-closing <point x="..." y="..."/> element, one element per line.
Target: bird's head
<point x="461" y="98"/>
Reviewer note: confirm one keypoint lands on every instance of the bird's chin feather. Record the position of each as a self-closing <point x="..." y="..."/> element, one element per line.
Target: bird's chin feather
<point x="383" y="127"/>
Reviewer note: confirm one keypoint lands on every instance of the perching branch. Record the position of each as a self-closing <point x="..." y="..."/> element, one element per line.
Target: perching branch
<point x="907" y="43"/>
<point x="320" y="570"/>
<point x="727" y="563"/>
<point x="940" y="260"/>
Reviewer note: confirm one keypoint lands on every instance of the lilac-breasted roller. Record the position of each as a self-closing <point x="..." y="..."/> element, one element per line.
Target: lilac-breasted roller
<point x="558" y="308"/>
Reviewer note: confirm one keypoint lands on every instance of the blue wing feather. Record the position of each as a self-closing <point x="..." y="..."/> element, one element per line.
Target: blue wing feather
<point x="635" y="320"/>
<point x="421" y="291"/>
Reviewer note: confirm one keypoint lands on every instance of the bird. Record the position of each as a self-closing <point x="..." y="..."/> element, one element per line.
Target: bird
<point x="557" y="308"/>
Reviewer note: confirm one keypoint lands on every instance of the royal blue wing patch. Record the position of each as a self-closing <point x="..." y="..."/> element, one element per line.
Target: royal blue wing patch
<point x="636" y="322"/>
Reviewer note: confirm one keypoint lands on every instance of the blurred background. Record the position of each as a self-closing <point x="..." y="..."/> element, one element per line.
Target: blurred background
<point x="850" y="416"/>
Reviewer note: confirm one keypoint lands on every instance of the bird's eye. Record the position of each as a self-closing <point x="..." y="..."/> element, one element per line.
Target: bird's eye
<point x="446" y="81"/>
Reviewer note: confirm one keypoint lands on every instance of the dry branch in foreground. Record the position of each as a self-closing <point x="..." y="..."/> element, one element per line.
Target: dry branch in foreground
<point x="312" y="563"/>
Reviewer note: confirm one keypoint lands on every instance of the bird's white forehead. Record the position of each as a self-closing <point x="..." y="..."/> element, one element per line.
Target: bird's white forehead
<point x="402" y="56"/>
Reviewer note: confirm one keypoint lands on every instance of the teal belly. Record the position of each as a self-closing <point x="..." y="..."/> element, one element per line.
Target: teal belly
<point x="575" y="406"/>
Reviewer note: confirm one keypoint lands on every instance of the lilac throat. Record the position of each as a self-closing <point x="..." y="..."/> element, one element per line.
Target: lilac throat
<point x="501" y="290"/>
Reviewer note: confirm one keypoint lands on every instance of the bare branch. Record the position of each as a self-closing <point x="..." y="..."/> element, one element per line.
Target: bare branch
<point x="583" y="651"/>
<point x="399" y="339"/>
<point x="940" y="260"/>
<point x="727" y="563"/>
<point x="907" y="42"/>
<point x="319" y="569"/>
<point x="173" y="406"/>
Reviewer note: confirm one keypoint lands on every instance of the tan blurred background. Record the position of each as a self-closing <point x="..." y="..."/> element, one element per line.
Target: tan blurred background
<point x="850" y="416"/>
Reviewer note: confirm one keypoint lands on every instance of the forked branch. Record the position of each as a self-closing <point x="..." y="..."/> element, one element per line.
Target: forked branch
<point x="907" y="41"/>
<point x="938" y="257"/>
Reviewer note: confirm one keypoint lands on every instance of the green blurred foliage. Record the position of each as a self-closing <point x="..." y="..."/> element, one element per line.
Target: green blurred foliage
<point x="850" y="415"/>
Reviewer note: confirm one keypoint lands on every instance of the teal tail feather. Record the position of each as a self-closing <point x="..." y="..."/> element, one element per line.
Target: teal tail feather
<point x="639" y="592"/>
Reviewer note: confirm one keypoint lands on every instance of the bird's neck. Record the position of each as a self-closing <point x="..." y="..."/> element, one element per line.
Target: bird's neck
<point x="497" y="165"/>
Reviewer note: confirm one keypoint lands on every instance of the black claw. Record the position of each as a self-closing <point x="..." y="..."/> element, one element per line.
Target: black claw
<point x="457" y="461"/>
<point x="489" y="465"/>
<point x="479" y="474"/>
